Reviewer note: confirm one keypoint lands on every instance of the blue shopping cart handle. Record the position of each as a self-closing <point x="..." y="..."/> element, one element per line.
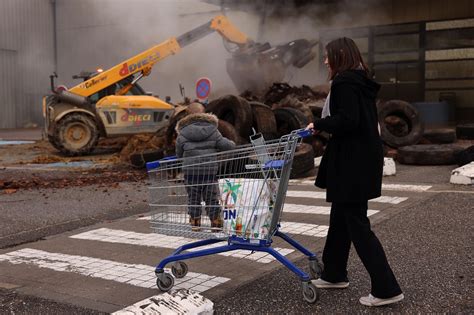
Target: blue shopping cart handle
<point x="155" y="164"/>
<point x="304" y="133"/>
<point x="274" y="164"/>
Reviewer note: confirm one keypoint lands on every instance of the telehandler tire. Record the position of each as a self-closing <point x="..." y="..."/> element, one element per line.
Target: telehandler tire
<point x="76" y="134"/>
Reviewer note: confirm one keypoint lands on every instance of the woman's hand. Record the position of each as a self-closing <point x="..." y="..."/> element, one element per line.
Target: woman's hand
<point x="311" y="127"/>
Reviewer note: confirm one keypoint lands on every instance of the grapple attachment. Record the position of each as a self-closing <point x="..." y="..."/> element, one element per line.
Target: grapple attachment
<point x="256" y="69"/>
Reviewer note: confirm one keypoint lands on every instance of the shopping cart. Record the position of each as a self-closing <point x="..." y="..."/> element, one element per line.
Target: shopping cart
<point x="235" y="197"/>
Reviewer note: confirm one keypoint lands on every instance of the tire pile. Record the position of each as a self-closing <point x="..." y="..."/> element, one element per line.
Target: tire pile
<point x="277" y="112"/>
<point x="406" y="139"/>
<point x="283" y="108"/>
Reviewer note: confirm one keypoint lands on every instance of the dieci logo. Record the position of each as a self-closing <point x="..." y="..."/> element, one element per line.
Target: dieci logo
<point x="127" y="69"/>
<point x="135" y="118"/>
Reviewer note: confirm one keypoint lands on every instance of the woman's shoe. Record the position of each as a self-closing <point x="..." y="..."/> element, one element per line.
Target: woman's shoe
<point x="322" y="284"/>
<point x="371" y="300"/>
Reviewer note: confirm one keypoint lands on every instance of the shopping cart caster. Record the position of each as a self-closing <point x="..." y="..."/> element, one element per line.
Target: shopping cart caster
<point x="179" y="269"/>
<point x="165" y="281"/>
<point x="315" y="268"/>
<point x="310" y="292"/>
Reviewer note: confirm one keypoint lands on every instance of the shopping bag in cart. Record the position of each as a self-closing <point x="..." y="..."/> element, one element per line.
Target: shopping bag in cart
<point x="247" y="206"/>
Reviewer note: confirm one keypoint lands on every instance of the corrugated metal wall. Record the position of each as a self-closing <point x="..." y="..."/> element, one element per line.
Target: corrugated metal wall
<point x="26" y="60"/>
<point x="9" y="68"/>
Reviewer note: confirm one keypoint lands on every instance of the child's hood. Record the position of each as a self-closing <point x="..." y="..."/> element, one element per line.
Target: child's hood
<point x="197" y="127"/>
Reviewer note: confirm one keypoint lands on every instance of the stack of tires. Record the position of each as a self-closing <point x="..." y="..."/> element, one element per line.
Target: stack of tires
<point x="402" y="129"/>
<point x="239" y="118"/>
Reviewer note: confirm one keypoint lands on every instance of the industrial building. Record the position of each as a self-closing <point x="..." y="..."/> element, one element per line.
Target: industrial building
<point x="420" y="51"/>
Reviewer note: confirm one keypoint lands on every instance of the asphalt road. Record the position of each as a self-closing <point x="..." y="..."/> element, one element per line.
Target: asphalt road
<point x="430" y="248"/>
<point x="428" y="243"/>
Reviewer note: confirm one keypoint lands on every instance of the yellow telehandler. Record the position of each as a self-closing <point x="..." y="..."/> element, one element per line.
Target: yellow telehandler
<point x="111" y="103"/>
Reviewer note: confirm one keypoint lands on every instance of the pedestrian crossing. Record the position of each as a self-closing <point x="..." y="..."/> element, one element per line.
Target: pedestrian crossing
<point x="133" y="274"/>
<point x="305" y="216"/>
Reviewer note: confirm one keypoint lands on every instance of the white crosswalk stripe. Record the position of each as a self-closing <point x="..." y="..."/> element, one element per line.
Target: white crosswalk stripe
<point x="297" y="208"/>
<point x="304" y="229"/>
<point x="322" y="195"/>
<point x="395" y="187"/>
<point x="172" y="242"/>
<point x="137" y="275"/>
<point x="292" y="228"/>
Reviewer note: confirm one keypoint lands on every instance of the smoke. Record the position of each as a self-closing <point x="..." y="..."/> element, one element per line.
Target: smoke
<point x="103" y="33"/>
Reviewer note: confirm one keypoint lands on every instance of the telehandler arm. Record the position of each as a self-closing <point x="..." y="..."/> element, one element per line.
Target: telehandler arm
<point x="144" y="61"/>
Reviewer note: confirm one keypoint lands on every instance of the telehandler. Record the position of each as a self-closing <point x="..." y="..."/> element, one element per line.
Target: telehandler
<point x="110" y="103"/>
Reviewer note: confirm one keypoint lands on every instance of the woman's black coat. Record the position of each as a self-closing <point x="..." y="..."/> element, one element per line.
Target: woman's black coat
<point x="352" y="164"/>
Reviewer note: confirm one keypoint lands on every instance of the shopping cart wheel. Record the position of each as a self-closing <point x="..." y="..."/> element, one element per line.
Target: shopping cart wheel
<point x="179" y="269"/>
<point x="315" y="268"/>
<point x="310" y="292"/>
<point x="165" y="282"/>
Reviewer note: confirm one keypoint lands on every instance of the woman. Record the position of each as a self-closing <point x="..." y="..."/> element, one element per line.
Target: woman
<point x="351" y="171"/>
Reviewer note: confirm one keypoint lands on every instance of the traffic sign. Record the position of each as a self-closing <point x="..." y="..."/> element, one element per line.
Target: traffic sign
<point x="203" y="88"/>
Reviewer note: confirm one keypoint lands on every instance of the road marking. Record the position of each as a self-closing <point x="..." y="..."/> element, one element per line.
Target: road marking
<point x="176" y="302"/>
<point x="304" y="229"/>
<point x="137" y="275"/>
<point x="396" y="187"/>
<point x="400" y="187"/>
<point x="289" y="227"/>
<point x="14" y="142"/>
<point x="172" y="242"/>
<point x="322" y="195"/>
<point x="296" y="208"/>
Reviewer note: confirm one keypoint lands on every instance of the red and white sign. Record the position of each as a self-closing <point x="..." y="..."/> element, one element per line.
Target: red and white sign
<point x="203" y="88"/>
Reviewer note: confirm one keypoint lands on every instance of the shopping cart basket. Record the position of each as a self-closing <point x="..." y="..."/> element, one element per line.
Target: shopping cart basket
<point x="234" y="196"/>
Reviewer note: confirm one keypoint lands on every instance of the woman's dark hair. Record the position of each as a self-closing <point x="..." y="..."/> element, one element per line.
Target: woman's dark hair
<point x="343" y="55"/>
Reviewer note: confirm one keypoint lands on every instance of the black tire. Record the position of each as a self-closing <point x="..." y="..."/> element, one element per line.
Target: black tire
<point x="303" y="161"/>
<point x="428" y="154"/>
<point x="289" y="119"/>
<point x="310" y="293"/>
<point x="227" y="130"/>
<point x="440" y="136"/>
<point x="140" y="159"/>
<point x="171" y="129"/>
<point x="406" y="112"/>
<point x="53" y="142"/>
<point x="465" y="156"/>
<point x="76" y="134"/>
<point x="179" y="269"/>
<point x="315" y="268"/>
<point x="166" y="284"/>
<point x="264" y="120"/>
<point x="316" y="110"/>
<point x="465" y="131"/>
<point x="235" y="110"/>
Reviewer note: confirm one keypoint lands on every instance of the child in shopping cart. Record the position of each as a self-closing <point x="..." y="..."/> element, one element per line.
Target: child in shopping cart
<point x="198" y="138"/>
